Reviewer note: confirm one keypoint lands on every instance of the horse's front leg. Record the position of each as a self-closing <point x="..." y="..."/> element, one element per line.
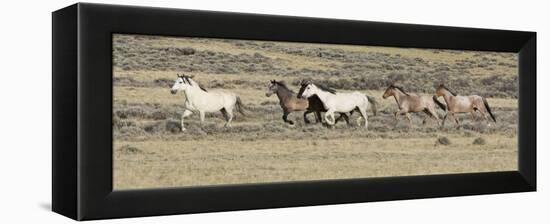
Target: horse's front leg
<point x="400" y="112"/>
<point x="318" y="117"/>
<point x="432" y="114"/>
<point x="329" y="114"/>
<point x="408" y="115"/>
<point x="456" y="120"/>
<point x="186" y="113"/>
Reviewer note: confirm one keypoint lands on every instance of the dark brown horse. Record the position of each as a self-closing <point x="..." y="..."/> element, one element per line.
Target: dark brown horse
<point x="290" y="103"/>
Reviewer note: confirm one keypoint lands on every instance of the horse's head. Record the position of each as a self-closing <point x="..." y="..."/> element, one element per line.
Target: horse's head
<point x="303" y="85"/>
<point x="390" y="91"/>
<point x="442" y="90"/>
<point x="307" y="90"/>
<point x="181" y="83"/>
<point x="272" y="88"/>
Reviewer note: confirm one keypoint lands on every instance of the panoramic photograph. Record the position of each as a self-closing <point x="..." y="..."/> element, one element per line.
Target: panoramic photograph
<point x="204" y="111"/>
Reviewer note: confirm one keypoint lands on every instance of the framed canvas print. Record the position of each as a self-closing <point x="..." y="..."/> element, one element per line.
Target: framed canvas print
<point x="168" y="111"/>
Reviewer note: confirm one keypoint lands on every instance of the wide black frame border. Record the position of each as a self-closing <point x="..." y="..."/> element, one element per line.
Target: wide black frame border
<point x="82" y="110"/>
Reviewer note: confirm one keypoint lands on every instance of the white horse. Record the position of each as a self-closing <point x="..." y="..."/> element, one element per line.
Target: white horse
<point x="201" y="101"/>
<point x="338" y="102"/>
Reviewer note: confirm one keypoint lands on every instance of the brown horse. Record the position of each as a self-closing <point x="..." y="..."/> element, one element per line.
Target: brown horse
<point x="463" y="104"/>
<point x="290" y="103"/>
<point x="408" y="103"/>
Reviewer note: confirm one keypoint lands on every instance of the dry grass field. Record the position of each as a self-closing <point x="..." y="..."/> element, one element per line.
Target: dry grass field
<point x="151" y="152"/>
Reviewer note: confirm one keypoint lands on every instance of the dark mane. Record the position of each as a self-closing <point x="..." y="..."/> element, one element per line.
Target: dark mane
<point x="203" y="89"/>
<point x="402" y="90"/>
<point x="188" y="78"/>
<point x="282" y="84"/>
<point x="327" y="89"/>
<point x="453" y="93"/>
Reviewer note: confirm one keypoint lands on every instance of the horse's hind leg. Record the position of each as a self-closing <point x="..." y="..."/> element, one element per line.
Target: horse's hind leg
<point x="345" y="116"/>
<point x="285" y="118"/>
<point x="431" y="112"/>
<point x="364" y="115"/>
<point x="444" y="118"/>
<point x="483" y="113"/>
<point x="202" y="115"/>
<point x="342" y="116"/>
<point x="224" y="114"/>
<point x="305" y="116"/>
<point x="474" y="117"/>
<point x="228" y="115"/>
<point x="484" y="116"/>
<point x="456" y="120"/>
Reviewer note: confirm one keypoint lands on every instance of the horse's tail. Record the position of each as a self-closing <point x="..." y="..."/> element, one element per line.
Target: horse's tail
<point x="240" y="106"/>
<point x="489" y="109"/>
<point x="373" y="102"/>
<point x="441" y="105"/>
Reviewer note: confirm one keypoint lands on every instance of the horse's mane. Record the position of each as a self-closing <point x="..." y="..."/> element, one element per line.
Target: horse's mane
<point x="190" y="81"/>
<point x="453" y="93"/>
<point x="327" y="89"/>
<point x="402" y="90"/>
<point x="282" y="84"/>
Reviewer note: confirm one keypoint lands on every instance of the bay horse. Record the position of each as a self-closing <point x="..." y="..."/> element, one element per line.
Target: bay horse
<point x="463" y="104"/>
<point x="289" y="102"/>
<point x="412" y="103"/>
<point x="201" y="101"/>
<point x="338" y="102"/>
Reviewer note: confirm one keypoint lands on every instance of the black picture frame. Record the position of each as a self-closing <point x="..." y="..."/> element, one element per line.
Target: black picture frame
<point x="82" y="111"/>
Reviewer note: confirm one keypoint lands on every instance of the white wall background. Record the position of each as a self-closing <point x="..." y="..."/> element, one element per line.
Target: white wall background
<point x="25" y="114"/>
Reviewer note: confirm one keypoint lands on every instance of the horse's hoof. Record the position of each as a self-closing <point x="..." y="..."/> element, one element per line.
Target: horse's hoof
<point x="183" y="129"/>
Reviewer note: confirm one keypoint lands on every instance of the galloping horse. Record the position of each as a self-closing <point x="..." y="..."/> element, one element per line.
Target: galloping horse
<point x="408" y="103"/>
<point x="338" y="102"/>
<point x="463" y="104"/>
<point x="290" y="103"/>
<point x="202" y="101"/>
